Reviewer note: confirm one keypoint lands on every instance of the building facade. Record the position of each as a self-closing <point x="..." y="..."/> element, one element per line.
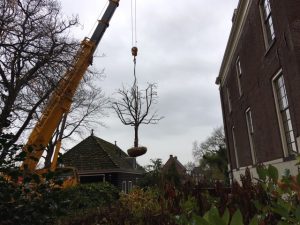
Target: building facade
<point x="259" y="83"/>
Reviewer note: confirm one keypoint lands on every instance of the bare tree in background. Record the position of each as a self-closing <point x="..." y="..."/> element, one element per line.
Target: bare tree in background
<point x="35" y="50"/>
<point x="212" y="144"/>
<point x="212" y="155"/>
<point x="88" y="108"/>
<point x="189" y="167"/>
<point x="134" y="107"/>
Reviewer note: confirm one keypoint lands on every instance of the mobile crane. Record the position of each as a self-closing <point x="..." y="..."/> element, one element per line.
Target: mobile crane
<point x="60" y="101"/>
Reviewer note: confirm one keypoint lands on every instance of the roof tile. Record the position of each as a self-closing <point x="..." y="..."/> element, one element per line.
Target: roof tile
<point x="94" y="153"/>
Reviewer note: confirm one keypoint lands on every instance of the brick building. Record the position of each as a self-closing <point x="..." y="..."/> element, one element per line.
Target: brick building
<point x="173" y="165"/>
<point x="259" y="83"/>
<point x="174" y="162"/>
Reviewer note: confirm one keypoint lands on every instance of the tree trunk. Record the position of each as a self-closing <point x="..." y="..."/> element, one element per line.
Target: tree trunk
<point x="50" y="150"/>
<point x="4" y="122"/>
<point x="136" y="136"/>
<point x="6" y="111"/>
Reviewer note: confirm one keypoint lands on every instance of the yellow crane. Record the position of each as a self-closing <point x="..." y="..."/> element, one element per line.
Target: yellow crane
<point x="61" y="99"/>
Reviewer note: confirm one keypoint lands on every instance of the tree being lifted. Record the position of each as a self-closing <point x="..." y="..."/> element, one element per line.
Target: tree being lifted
<point x="133" y="108"/>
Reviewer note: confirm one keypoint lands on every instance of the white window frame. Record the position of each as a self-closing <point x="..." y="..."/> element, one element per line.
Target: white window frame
<point x="235" y="148"/>
<point x="103" y="177"/>
<point x="286" y="150"/>
<point x="239" y="73"/>
<point x="130" y="186"/>
<point x="124" y="186"/>
<point x="267" y="22"/>
<point x="250" y="130"/>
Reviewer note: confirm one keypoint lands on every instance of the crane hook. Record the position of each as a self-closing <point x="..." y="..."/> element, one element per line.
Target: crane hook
<point x="134" y="51"/>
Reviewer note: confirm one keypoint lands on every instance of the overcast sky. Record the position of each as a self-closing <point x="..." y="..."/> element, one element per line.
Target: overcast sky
<point x="181" y="44"/>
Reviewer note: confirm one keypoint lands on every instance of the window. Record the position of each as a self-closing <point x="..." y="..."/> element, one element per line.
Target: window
<point x="251" y="134"/>
<point x="129" y="186"/>
<point x="283" y="110"/>
<point x="268" y="28"/>
<point x="228" y="99"/>
<point x="239" y="75"/>
<point x="124" y="189"/>
<point x="235" y="149"/>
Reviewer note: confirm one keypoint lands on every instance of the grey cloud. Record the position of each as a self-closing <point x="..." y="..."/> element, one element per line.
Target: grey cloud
<point x="181" y="45"/>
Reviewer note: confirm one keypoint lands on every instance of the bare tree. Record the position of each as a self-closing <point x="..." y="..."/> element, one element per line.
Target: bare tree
<point x="35" y="50"/>
<point x="89" y="106"/>
<point x="212" y="144"/>
<point x="134" y="106"/>
<point x="189" y="167"/>
<point x="212" y="156"/>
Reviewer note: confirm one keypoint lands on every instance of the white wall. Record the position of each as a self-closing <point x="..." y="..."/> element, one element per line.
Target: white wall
<point x="278" y="163"/>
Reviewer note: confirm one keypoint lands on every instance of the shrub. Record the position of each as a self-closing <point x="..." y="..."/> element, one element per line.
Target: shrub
<point x="79" y="199"/>
<point x="27" y="203"/>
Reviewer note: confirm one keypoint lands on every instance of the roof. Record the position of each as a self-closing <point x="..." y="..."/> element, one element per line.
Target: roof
<point x="239" y="20"/>
<point x="94" y="154"/>
<point x="173" y="160"/>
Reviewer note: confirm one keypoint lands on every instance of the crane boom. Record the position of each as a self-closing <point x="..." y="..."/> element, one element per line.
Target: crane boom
<point x="61" y="99"/>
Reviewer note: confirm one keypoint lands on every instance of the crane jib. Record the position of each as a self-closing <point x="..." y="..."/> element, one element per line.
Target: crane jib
<point x="60" y="101"/>
<point x="104" y="22"/>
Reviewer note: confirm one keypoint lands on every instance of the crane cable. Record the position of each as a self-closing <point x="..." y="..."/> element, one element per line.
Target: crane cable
<point x="134" y="49"/>
<point x="133" y="23"/>
<point x="98" y="19"/>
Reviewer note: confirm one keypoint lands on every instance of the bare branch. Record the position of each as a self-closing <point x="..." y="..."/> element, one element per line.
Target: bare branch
<point x="134" y="105"/>
<point x="35" y="51"/>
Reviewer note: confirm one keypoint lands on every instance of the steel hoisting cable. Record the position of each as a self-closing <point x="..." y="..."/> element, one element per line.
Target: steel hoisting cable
<point x="96" y="22"/>
<point x="101" y="13"/>
<point x="131" y="13"/>
<point x="134" y="49"/>
<point x="133" y="23"/>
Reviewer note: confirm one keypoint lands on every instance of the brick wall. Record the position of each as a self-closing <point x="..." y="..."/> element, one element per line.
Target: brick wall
<point x="259" y="66"/>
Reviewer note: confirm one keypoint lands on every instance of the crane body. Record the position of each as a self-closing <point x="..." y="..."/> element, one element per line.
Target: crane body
<point x="61" y="99"/>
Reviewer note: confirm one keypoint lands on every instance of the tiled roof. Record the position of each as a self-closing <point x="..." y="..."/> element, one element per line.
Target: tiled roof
<point x="173" y="160"/>
<point x="96" y="154"/>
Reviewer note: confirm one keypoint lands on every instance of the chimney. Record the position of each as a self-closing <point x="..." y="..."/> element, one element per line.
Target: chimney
<point x="175" y="157"/>
<point x="116" y="147"/>
<point x="171" y="156"/>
